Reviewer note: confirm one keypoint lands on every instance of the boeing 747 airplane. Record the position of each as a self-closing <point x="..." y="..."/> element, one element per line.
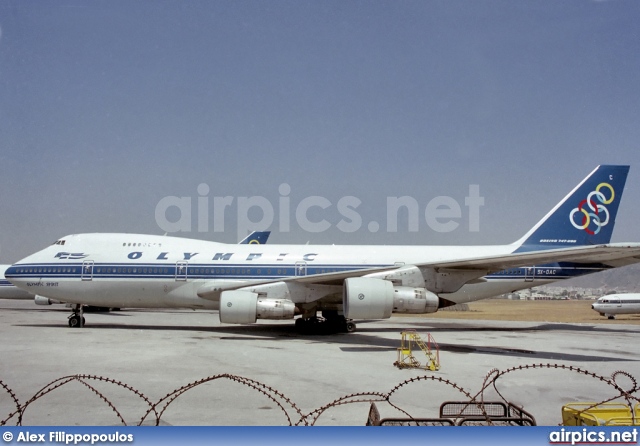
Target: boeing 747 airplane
<point x="250" y="282"/>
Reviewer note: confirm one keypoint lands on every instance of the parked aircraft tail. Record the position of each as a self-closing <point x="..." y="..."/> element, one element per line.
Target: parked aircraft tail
<point x="256" y="238"/>
<point x="586" y="216"/>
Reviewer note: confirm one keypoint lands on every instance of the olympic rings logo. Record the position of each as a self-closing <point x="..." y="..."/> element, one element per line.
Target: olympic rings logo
<point x="593" y="212"/>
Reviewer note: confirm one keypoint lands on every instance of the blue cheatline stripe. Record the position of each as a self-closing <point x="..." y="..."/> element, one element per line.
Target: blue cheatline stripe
<point x="562" y="270"/>
<point x="234" y="271"/>
<point x="164" y="270"/>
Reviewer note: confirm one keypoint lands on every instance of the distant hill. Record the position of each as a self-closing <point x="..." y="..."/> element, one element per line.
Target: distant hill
<point x="622" y="279"/>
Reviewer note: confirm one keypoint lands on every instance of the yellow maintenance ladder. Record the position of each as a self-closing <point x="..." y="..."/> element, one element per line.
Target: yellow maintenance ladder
<point x="405" y="353"/>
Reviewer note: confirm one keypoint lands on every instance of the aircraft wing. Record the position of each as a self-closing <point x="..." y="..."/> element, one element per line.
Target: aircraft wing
<point x="449" y="276"/>
<point x="613" y="254"/>
<point x="212" y="292"/>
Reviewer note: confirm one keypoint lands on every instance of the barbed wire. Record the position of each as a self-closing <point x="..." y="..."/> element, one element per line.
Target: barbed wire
<point x="290" y="409"/>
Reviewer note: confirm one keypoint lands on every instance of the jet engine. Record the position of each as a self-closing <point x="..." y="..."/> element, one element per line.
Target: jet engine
<point x="414" y="300"/>
<point x="367" y="298"/>
<point x="245" y="307"/>
<point x="40" y="300"/>
<point x="370" y="298"/>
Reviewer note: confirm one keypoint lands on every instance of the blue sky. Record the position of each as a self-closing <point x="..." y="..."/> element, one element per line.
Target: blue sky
<point x="107" y="107"/>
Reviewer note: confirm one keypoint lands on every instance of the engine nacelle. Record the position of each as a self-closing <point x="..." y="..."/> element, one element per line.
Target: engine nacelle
<point x="367" y="298"/>
<point x="276" y="309"/>
<point x="414" y="300"/>
<point x="245" y="307"/>
<point x="40" y="300"/>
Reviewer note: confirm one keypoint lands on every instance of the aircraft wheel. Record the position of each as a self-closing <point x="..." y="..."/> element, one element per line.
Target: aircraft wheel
<point x="351" y="327"/>
<point x="74" y="321"/>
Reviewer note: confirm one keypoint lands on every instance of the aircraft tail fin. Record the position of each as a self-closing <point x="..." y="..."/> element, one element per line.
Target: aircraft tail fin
<point x="256" y="238"/>
<point x="586" y="216"/>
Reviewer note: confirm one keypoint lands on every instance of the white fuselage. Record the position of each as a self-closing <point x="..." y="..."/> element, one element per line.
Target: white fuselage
<point x="145" y="271"/>
<point x="613" y="304"/>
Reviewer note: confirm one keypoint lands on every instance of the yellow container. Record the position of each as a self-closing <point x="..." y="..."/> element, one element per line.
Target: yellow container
<point x="603" y="414"/>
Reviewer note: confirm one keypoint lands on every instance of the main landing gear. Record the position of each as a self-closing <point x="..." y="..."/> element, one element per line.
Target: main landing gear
<point x="76" y="320"/>
<point x="320" y="325"/>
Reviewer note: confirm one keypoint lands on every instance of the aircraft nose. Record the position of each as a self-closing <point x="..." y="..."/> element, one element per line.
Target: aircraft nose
<point x="11" y="274"/>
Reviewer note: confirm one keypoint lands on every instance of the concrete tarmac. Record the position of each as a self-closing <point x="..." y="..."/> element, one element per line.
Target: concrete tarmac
<point x="270" y="375"/>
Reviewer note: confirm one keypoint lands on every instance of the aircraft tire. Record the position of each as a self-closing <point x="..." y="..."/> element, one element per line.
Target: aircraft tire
<point x="74" y="321"/>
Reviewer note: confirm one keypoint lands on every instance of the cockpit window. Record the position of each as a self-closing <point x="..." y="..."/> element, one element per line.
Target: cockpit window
<point x="59" y="242"/>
